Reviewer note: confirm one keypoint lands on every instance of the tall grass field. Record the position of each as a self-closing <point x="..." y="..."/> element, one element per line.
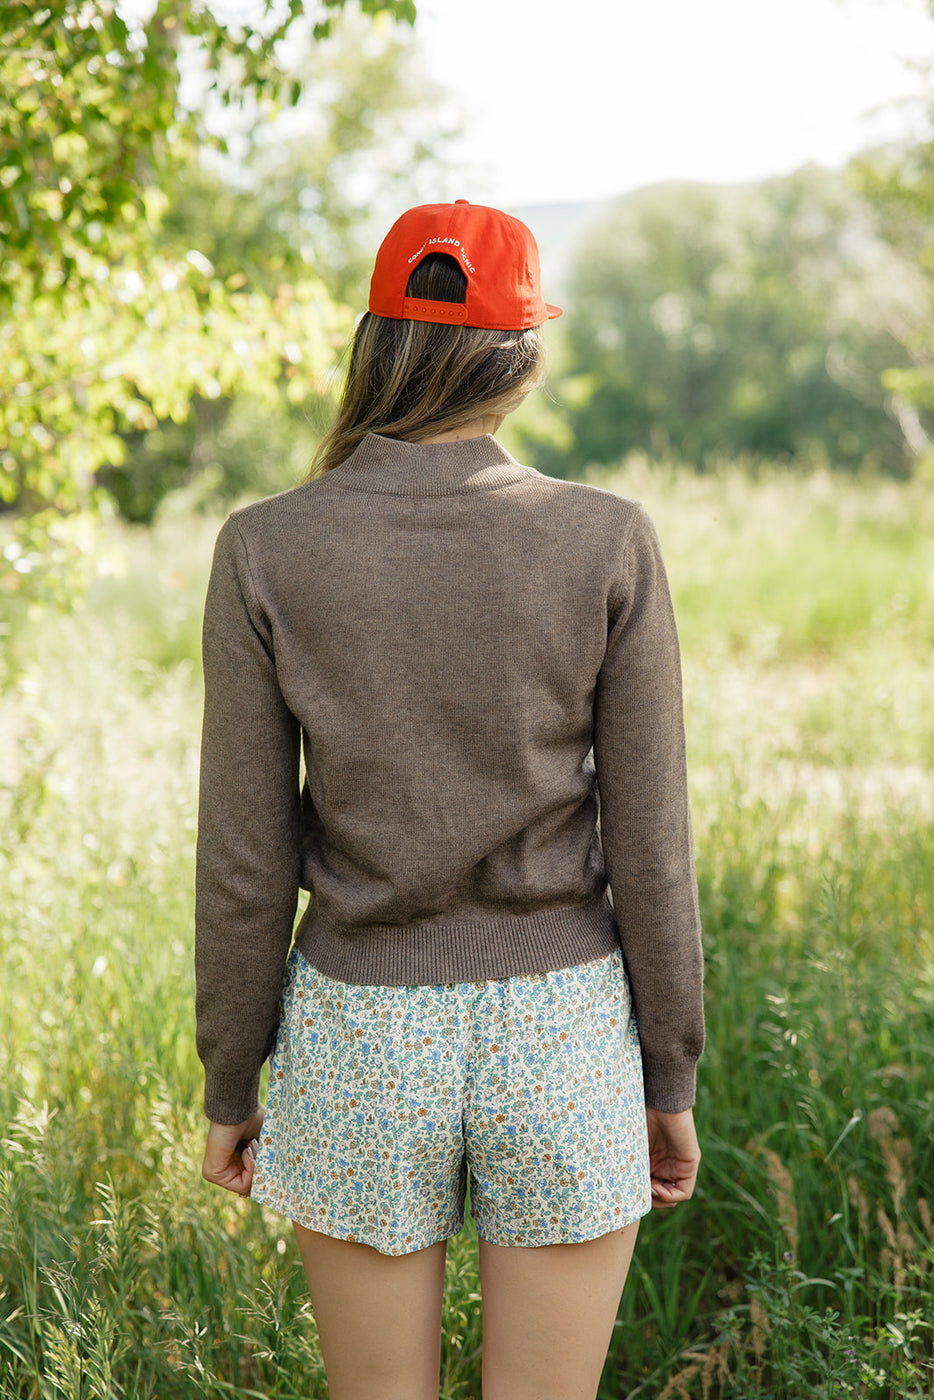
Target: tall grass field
<point x="803" y="1267"/>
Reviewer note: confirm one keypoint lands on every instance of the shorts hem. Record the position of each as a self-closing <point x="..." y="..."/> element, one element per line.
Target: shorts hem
<point x="560" y="1237"/>
<point x="289" y="1211"/>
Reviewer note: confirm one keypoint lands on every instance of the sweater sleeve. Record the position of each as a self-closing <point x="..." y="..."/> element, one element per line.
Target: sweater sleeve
<point x="639" y="751"/>
<point x="248" y="853"/>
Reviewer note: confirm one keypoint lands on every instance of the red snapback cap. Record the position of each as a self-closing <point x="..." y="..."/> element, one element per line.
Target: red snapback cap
<point x="496" y="253"/>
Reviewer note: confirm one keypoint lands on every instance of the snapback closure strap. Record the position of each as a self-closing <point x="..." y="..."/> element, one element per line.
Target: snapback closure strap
<point x="452" y="312"/>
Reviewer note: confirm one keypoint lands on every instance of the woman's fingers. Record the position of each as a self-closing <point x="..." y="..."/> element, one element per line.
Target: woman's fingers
<point x="674" y="1156"/>
<point x="230" y="1154"/>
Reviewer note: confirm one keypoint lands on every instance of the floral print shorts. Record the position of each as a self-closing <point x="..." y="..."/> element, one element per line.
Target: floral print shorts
<point x="383" y="1099"/>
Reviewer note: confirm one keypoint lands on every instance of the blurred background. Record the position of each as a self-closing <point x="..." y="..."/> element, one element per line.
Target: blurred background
<point x="735" y="207"/>
<point x="732" y="204"/>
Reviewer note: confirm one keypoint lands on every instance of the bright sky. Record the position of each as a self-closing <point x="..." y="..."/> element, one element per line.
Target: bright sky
<point x="586" y="99"/>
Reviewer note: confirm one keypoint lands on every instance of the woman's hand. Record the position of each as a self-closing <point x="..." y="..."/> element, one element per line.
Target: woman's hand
<point x="674" y="1156"/>
<point x="231" y="1153"/>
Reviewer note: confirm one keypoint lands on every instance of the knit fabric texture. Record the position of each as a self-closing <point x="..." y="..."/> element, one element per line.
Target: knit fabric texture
<point x="427" y="675"/>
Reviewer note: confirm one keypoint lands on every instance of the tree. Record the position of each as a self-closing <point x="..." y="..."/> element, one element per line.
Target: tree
<point x="711" y="320"/>
<point x="312" y="199"/>
<point x="93" y="112"/>
<point x="898" y="182"/>
<point x="374" y="141"/>
<point x="102" y="330"/>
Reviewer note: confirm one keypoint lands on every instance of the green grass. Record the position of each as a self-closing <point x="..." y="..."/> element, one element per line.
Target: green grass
<point x="805" y="1264"/>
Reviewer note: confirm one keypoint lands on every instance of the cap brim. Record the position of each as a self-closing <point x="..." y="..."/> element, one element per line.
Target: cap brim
<point x="553" y="311"/>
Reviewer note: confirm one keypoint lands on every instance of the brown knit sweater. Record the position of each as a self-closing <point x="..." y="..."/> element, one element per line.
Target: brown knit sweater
<point x="446" y="636"/>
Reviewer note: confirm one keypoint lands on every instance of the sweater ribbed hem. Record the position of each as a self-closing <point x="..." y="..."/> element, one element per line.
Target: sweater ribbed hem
<point x="433" y="953"/>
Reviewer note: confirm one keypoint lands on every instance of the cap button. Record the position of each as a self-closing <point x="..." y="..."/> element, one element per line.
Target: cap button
<point x="462" y="201"/>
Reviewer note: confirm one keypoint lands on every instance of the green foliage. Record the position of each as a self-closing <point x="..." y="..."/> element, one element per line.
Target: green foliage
<point x="105" y="331"/>
<point x="899" y="184"/>
<point x="311" y="191"/>
<point x="122" y="348"/>
<point x="93" y="114"/>
<point x="707" y="321"/>
<point x="373" y="140"/>
<point x="226" y="449"/>
<point x="305" y="205"/>
<point x="806" y="1262"/>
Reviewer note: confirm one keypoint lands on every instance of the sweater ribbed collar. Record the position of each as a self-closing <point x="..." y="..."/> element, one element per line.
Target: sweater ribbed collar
<point x="395" y="468"/>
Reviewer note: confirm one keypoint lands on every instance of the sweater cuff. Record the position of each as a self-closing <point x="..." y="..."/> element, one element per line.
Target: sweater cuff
<point x="670" y="1088"/>
<point x="231" y="1099"/>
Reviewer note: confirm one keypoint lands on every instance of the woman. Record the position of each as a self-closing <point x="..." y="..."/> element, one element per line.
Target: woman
<point x="470" y="658"/>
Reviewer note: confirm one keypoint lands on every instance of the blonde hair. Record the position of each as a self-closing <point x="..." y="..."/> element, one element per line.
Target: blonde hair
<point x="413" y="379"/>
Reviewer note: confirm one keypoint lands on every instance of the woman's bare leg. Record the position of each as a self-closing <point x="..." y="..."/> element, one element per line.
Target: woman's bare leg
<point x="378" y="1317"/>
<point x="548" y="1315"/>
